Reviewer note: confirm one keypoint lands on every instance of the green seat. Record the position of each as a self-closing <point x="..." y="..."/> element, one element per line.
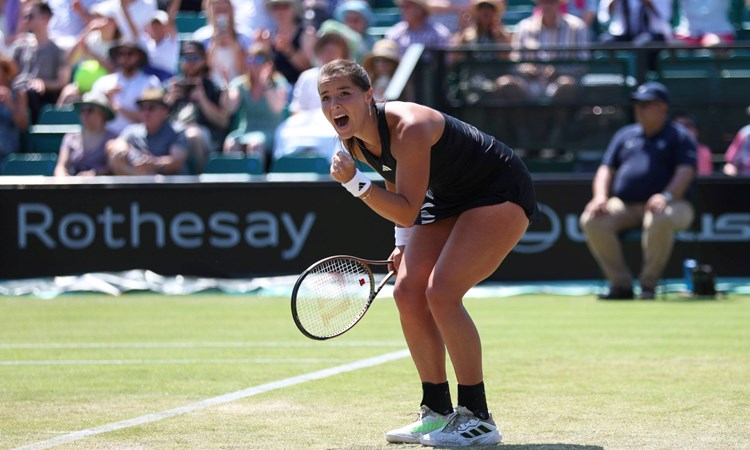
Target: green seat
<point x="300" y="164"/>
<point x="30" y="164"/>
<point x="187" y="22"/>
<point x="252" y="165"/>
<point x="51" y="115"/>
<point x="47" y="138"/>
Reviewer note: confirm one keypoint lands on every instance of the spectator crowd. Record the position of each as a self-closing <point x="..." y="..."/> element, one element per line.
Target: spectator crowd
<point x="153" y="99"/>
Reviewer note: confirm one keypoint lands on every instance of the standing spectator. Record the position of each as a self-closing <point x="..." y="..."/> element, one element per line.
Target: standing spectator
<point x="705" y="22"/>
<point x="196" y="105"/>
<point x="417" y="28"/>
<point x="83" y="153"/>
<point x="252" y="16"/>
<point x="258" y="99"/>
<point x="9" y="21"/>
<point x="737" y="156"/>
<point x="290" y="43"/>
<point x="124" y="87"/>
<point x="548" y="82"/>
<point x="161" y="40"/>
<point x="225" y="46"/>
<point x="69" y="18"/>
<point x="704" y="159"/>
<point x="14" y="109"/>
<point x="645" y="173"/>
<point x="380" y="65"/>
<point x="90" y="53"/>
<point x="43" y="70"/>
<point x="151" y="147"/>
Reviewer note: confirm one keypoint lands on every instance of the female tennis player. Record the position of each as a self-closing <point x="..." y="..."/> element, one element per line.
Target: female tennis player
<point x="461" y="200"/>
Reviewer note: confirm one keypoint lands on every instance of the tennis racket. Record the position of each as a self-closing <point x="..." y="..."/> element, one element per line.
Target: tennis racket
<point x="333" y="294"/>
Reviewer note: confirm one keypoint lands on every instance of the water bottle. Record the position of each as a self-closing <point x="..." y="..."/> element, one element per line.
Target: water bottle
<point x="688" y="265"/>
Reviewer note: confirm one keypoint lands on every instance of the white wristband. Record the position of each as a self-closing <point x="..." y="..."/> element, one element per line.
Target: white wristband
<point x="358" y="185"/>
<point x="402" y="235"/>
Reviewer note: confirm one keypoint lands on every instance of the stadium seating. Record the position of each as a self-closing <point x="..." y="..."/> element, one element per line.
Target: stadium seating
<point x="29" y="164"/>
<point x="234" y="164"/>
<point x="51" y="115"/>
<point x="299" y="164"/>
<point x="187" y="22"/>
<point x="47" y="138"/>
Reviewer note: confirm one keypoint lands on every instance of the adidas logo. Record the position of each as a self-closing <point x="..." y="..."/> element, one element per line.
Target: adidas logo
<point x="361" y="186"/>
<point x="386" y="168"/>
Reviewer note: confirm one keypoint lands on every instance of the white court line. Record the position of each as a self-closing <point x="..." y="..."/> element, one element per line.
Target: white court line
<point x="188" y="345"/>
<point x="220" y="400"/>
<point x="120" y="362"/>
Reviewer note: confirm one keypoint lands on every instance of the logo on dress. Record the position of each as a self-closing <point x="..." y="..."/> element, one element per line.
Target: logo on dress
<point x="386" y="168"/>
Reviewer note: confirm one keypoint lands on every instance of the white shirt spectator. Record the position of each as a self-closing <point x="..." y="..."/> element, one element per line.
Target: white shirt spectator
<point x="130" y="91"/>
<point x="65" y="24"/>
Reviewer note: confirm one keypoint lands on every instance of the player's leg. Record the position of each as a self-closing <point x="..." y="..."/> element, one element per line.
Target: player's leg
<point x="480" y="240"/>
<point x="421" y="333"/>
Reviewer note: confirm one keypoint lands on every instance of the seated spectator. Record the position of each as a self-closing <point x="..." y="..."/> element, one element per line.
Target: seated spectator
<point x="161" y="41"/>
<point x="90" y="54"/>
<point x="545" y="82"/>
<point x="450" y="13"/>
<point x="584" y="10"/>
<point x="636" y="21"/>
<point x="152" y="146"/>
<point x="125" y="85"/>
<point x="307" y="130"/>
<point x="14" y="109"/>
<point x="417" y="28"/>
<point x="737" y="156"/>
<point x="83" y="153"/>
<point x="485" y="27"/>
<point x="705" y="23"/>
<point x="257" y="100"/>
<point x="357" y="15"/>
<point x="43" y="70"/>
<point x="642" y="182"/>
<point x="290" y="43"/>
<point x="69" y="19"/>
<point x="196" y="105"/>
<point x="704" y="160"/>
<point x="380" y="65"/>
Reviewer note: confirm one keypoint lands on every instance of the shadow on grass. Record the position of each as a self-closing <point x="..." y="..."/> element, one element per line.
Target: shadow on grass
<point x="498" y="446"/>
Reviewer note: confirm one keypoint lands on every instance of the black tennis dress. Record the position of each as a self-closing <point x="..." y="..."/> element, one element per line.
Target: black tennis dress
<point x="468" y="169"/>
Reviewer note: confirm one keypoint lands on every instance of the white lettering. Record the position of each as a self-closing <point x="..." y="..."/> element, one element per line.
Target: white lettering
<point x="76" y="231"/>
<point x="183" y="226"/>
<point x="224" y="224"/>
<point x="108" y="219"/>
<point x="298" y="236"/>
<point x="39" y="229"/>
<point x="541" y="240"/>
<point x="262" y="230"/>
<point x="136" y="220"/>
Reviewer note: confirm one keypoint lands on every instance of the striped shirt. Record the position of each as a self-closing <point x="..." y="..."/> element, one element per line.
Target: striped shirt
<point x="570" y="31"/>
<point x="430" y="34"/>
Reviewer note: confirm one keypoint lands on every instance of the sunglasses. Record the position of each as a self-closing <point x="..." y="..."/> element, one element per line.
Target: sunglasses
<point x="126" y="53"/>
<point x="256" y="59"/>
<point x="29" y="16"/>
<point x="191" y="57"/>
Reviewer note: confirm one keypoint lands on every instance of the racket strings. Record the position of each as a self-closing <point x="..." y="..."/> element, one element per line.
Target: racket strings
<point x="333" y="296"/>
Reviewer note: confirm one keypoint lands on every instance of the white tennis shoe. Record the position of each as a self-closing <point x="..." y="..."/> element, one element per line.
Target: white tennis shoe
<point x="464" y="429"/>
<point x="428" y="421"/>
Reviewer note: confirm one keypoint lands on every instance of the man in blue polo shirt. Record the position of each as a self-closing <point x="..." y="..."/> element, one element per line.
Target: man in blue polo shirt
<point x="645" y="173"/>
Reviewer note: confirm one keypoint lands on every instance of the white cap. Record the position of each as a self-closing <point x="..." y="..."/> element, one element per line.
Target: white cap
<point x="160" y="16"/>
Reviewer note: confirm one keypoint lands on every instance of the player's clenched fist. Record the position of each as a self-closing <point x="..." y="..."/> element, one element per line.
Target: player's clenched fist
<point x="342" y="167"/>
